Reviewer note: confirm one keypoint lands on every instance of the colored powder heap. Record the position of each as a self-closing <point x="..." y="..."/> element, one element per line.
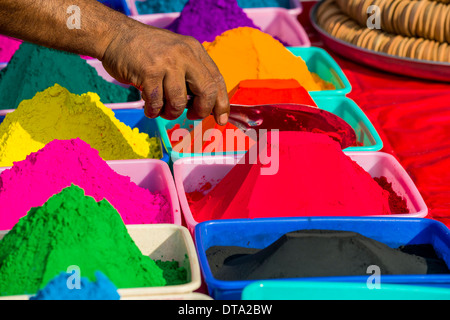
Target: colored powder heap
<point x="31" y="182"/>
<point x="209" y="137"/>
<point x="247" y="53"/>
<point x="8" y="47"/>
<point x="34" y="68"/>
<point x="172" y="272"/>
<point x="166" y="6"/>
<point x="308" y="175"/>
<point x="57" y="114"/>
<point x="248" y="92"/>
<point x="57" y="289"/>
<point x="206" y="19"/>
<point x="396" y="202"/>
<point x="72" y="229"/>
<point x="270" y="91"/>
<point x="319" y="253"/>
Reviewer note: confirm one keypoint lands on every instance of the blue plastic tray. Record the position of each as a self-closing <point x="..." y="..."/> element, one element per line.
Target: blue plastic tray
<point x="118" y="5"/>
<point x="135" y="118"/>
<point x="259" y="233"/>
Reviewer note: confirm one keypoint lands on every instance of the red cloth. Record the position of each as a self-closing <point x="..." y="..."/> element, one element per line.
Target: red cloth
<point x="412" y="117"/>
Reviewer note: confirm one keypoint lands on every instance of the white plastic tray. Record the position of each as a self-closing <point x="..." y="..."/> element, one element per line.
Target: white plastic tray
<point x="165" y="242"/>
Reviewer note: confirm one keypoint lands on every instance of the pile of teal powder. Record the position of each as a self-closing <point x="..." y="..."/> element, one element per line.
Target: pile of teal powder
<point x="166" y="6"/>
<point x="65" y="287"/>
<point x="35" y="68"/>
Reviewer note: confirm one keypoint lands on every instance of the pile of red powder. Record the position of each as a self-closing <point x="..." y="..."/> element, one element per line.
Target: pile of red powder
<point x="270" y="91"/>
<point x="209" y="137"/>
<point x="31" y="182"/>
<point x="314" y="178"/>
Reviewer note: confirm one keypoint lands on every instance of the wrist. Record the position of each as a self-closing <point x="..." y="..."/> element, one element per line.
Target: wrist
<point x="119" y="33"/>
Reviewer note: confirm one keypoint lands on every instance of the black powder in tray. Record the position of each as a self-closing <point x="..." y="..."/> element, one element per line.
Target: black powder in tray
<point x="321" y="253"/>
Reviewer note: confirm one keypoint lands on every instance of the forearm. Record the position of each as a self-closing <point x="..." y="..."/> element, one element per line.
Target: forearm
<point x="162" y="64"/>
<point x="45" y="22"/>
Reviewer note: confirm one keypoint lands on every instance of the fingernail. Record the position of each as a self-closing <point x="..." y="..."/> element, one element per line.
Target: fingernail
<point x="223" y="119"/>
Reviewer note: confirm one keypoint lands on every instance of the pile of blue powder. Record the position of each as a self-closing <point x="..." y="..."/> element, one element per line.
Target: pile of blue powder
<point x="62" y="287"/>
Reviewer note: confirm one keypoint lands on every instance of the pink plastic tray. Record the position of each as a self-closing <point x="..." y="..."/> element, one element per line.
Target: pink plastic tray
<point x="150" y="174"/>
<point x="274" y="21"/>
<point x="189" y="173"/>
<point x="294" y="10"/>
<point x="105" y="75"/>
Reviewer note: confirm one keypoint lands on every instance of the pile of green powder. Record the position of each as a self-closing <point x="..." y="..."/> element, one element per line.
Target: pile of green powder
<point x="35" y="68"/>
<point x="172" y="272"/>
<point x="72" y="229"/>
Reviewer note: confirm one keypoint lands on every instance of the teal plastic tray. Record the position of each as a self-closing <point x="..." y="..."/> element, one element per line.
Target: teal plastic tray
<point x="163" y="125"/>
<point x="342" y="106"/>
<point x="347" y="109"/>
<point x="310" y="290"/>
<point x="320" y="62"/>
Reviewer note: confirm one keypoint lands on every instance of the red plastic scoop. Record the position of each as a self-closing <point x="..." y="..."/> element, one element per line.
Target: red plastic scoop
<point x="293" y="117"/>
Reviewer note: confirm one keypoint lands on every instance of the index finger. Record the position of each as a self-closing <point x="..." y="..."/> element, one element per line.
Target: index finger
<point x="221" y="108"/>
<point x="220" y="105"/>
<point x="204" y="90"/>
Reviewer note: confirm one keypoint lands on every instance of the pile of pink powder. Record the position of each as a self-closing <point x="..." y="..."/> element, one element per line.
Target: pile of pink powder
<point x="7" y="48"/>
<point x="31" y="182"/>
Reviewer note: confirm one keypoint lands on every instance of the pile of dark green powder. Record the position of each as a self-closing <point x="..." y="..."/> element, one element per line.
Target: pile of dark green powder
<point x="35" y="68"/>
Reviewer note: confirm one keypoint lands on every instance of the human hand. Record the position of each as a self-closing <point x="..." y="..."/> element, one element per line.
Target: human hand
<point x="166" y="66"/>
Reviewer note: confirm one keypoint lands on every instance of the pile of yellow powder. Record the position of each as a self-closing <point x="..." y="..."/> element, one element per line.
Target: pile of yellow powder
<point x="55" y="113"/>
<point x="248" y="53"/>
